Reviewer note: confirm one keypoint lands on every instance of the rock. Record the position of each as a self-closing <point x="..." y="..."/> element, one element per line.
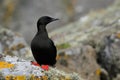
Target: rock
<point x="23" y="69"/>
<point x="95" y="25"/>
<point x="100" y="30"/>
<point x="109" y="57"/>
<point x="12" y="43"/>
<point x="83" y="63"/>
<point x="117" y="78"/>
<point x="87" y="63"/>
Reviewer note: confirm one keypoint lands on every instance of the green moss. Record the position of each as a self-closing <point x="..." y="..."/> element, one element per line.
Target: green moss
<point x="63" y="46"/>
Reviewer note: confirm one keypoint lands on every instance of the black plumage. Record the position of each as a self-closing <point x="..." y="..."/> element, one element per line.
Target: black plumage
<point x="43" y="48"/>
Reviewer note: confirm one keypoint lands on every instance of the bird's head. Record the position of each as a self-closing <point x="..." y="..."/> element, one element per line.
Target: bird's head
<point x="44" y="20"/>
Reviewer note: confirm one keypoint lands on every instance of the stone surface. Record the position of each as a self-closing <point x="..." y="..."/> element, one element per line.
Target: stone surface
<point x="93" y="49"/>
<point x="99" y="30"/>
<point x="21" y="15"/>
<point x="109" y="56"/>
<point x="12" y="43"/>
<point x="83" y="63"/>
<point x="23" y="70"/>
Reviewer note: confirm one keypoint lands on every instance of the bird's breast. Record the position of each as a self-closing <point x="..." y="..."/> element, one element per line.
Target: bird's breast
<point x="40" y="43"/>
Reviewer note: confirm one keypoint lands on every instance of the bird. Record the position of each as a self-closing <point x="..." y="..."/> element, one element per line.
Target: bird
<point x="43" y="48"/>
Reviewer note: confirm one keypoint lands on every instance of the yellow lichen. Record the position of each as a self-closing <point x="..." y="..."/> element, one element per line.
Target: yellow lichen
<point x="58" y="57"/>
<point x="44" y="78"/>
<point x="35" y="78"/>
<point x="98" y="72"/>
<point x="118" y="35"/>
<point x="68" y="78"/>
<point x="5" y="65"/>
<point x="23" y="77"/>
<point x="8" y="77"/>
<point x="32" y="77"/>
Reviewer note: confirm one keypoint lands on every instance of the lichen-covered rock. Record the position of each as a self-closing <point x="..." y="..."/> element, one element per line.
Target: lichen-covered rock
<point x="93" y="30"/>
<point x="55" y="74"/>
<point x="83" y="63"/>
<point x="24" y="70"/>
<point x="109" y="54"/>
<point x="12" y="43"/>
<point x="95" y="25"/>
<point x="117" y="78"/>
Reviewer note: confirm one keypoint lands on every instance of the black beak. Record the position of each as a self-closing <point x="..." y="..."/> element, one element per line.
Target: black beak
<point x="55" y="19"/>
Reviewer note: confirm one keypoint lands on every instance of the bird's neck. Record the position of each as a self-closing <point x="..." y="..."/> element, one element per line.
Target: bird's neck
<point x="42" y="29"/>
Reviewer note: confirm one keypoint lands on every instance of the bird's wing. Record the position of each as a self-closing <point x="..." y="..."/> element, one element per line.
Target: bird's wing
<point x="54" y="48"/>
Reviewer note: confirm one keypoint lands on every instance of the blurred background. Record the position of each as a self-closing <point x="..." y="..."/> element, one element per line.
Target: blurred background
<point x="87" y="36"/>
<point x="22" y="15"/>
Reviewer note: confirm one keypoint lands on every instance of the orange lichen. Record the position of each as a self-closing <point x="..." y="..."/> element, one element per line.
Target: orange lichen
<point x="8" y="77"/>
<point x="118" y="35"/>
<point x="58" y="57"/>
<point x="44" y="77"/>
<point x="98" y="72"/>
<point x="35" y="78"/>
<point x="5" y="65"/>
<point x="20" y="77"/>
